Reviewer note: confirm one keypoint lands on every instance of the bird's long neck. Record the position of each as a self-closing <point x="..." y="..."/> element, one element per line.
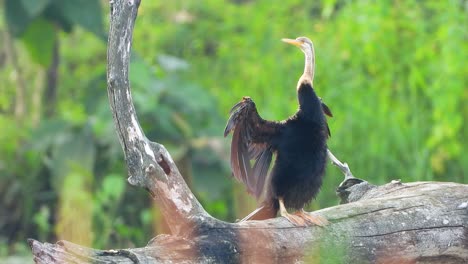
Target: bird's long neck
<point x="309" y="67"/>
<point x="309" y="103"/>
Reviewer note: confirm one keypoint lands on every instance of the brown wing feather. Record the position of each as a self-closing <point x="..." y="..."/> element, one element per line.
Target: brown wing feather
<point x="251" y="140"/>
<point x="260" y="170"/>
<point x="328" y="112"/>
<point x="325" y="108"/>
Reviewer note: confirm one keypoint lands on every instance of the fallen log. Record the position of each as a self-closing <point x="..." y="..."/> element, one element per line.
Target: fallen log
<point x="421" y="222"/>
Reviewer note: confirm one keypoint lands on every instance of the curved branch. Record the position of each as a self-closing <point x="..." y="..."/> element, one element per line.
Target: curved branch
<point x="149" y="164"/>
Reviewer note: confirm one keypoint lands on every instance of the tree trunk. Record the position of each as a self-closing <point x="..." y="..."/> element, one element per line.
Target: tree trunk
<point x="422" y="222"/>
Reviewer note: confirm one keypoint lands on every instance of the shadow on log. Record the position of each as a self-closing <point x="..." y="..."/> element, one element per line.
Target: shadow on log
<point x="422" y="222"/>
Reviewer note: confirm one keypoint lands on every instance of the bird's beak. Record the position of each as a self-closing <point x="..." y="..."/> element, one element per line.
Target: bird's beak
<point x="292" y="42"/>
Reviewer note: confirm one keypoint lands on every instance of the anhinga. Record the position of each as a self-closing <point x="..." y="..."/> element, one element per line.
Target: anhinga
<point x="299" y="144"/>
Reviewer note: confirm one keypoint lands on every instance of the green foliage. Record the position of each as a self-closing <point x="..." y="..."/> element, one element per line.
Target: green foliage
<point x="86" y="13"/>
<point x="106" y="197"/>
<point x="393" y="73"/>
<point x="34" y="7"/>
<point x="39" y="39"/>
<point x="41" y="220"/>
<point x="16" y="16"/>
<point x="70" y="152"/>
<point x="36" y="22"/>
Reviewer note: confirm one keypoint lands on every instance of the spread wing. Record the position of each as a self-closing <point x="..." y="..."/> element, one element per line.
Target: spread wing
<point x="328" y="112"/>
<point x="252" y="139"/>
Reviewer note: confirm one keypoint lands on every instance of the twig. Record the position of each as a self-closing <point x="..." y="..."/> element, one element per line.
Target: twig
<point x="342" y="166"/>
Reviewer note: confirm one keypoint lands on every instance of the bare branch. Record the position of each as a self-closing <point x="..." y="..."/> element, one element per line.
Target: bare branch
<point x="149" y="164"/>
<point x="342" y="166"/>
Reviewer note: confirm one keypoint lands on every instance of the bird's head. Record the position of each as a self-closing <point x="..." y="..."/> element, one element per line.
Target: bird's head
<point x="308" y="48"/>
<point x="303" y="43"/>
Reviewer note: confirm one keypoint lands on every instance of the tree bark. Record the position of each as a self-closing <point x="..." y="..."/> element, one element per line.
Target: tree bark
<point x="422" y="222"/>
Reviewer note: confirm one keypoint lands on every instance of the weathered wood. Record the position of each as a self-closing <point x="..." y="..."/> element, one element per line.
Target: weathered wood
<point x="149" y="164"/>
<point x="421" y="222"/>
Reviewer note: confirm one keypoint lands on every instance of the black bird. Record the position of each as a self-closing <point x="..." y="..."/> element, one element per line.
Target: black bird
<point x="299" y="144"/>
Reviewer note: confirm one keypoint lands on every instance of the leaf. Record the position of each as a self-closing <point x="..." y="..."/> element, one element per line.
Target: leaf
<point x="34" y="7"/>
<point x="86" y="13"/>
<point x="39" y="39"/>
<point x="17" y="17"/>
<point x="112" y="188"/>
<point x="54" y="13"/>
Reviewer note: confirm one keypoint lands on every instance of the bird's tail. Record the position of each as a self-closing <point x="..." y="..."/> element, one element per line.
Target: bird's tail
<point x="267" y="210"/>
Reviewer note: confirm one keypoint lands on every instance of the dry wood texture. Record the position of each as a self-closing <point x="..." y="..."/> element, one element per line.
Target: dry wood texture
<point x="423" y="222"/>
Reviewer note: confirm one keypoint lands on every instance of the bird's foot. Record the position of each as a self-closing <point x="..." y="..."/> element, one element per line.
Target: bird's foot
<point x="312" y="219"/>
<point x="303" y="219"/>
<point x="296" y="220"/>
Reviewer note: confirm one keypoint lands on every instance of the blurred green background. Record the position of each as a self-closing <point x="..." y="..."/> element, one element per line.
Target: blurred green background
<point x="394" y="74"/>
